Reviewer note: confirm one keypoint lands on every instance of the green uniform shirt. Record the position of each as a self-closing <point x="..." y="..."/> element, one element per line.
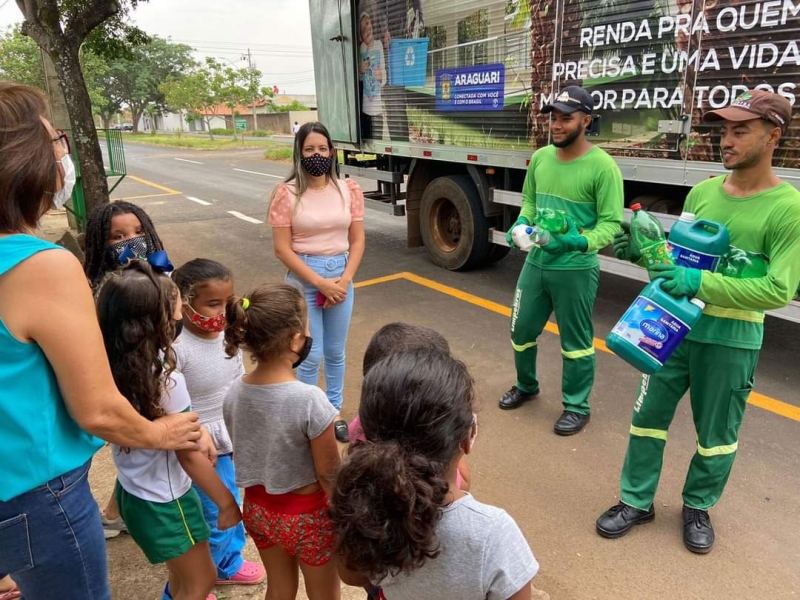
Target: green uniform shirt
<point x="588" y="188"/>
<point x="765" y="229"/>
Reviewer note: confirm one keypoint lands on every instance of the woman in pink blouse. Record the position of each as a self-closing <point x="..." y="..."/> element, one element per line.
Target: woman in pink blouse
<point x="318" y="232"/>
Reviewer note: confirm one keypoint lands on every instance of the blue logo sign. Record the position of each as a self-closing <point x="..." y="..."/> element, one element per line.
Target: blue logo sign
<point x="408" y="62"/>
<point x="479" y="88"/>
<point x="654" y="329"/>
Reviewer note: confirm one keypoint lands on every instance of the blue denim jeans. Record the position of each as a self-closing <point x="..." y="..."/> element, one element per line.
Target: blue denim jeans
<point x="51" y="541"/>
<point x="328" y="326"/>
<point x="226" y="546"/>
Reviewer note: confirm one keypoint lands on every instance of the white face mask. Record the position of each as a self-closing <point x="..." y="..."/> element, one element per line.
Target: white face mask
<point x="61" y="196"/>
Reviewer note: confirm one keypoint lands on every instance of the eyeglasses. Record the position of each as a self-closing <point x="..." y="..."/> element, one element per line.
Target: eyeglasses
<point x="63" y="139"/>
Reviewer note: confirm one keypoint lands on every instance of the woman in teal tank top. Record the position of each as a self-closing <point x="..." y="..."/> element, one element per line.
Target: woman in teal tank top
<point x="58" y="401"/>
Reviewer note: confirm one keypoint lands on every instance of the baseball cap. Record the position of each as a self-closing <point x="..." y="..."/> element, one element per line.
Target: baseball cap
<point x="570" y="99"/>
<point x="755" y="104"/>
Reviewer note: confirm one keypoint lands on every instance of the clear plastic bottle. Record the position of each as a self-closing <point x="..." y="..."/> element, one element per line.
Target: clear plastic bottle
<point x="549" y="219"/>
<point x="648" y="235"/>
<point x="526" y="236"/>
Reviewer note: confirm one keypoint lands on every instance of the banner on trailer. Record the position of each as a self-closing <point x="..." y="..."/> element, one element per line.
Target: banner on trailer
<point x="479" y="88"/>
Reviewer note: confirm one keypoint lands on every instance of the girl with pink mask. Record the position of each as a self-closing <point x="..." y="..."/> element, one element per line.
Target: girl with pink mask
<point x="205" y="286"/>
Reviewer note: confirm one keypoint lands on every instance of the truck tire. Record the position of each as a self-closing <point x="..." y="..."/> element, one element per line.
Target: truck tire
<point x="453" y="227"/>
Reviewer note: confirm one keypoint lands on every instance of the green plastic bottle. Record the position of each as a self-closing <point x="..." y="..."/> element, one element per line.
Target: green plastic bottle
<point x="648" y="235"/>
<point x="552" y="220"/>
<point x="653" y="327"/>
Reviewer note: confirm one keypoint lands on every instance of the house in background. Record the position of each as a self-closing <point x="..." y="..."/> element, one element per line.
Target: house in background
<point x="223" y="117"/>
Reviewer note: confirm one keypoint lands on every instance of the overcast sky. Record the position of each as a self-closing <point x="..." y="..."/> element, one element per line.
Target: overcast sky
<point x="276" y="31"/>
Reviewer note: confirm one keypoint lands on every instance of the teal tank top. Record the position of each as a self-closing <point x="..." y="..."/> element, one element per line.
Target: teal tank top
<point x="40" y="441"/>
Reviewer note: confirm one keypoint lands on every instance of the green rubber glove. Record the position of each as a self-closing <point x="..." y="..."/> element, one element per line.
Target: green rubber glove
<point x="569" y="241"/>
<point x="624" y="246"/>
<point x="520" y="221"/>
<point x="677" y="281"/>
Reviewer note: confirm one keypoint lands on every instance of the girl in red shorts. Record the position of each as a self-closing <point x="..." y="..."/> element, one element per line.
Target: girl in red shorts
<point x="284" y="445"/>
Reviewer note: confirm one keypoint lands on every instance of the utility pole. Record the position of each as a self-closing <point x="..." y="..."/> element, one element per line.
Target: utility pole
<point x="251" y="68"/>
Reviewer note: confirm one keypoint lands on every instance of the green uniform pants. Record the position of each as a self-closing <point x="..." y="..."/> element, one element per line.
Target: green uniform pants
<point x="571" y="295"/>
<point x="720" y="379"/>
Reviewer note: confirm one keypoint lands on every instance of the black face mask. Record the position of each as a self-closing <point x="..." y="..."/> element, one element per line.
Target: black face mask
<point x="317" y="165"/>
<point x="304" y="352"/>
<point x="178" y="328"/>
<point x="138" y="245"/>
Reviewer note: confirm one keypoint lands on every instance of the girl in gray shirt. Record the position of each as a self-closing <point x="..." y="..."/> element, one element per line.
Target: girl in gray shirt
<point x="401" y="521"/>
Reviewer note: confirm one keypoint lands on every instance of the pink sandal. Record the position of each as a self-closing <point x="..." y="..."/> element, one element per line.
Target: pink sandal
<point x="250" y="573"/>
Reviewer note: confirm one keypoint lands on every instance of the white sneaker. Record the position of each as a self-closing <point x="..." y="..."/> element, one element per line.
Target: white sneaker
<point x="112" y="527"/>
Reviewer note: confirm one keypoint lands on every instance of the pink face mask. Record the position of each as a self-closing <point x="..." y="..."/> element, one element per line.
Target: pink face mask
<point x="207" y="324"/>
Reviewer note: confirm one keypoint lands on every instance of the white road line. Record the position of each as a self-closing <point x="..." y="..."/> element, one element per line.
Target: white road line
<point x="193" y="199"/>
<point x="257" y="173"/>
<point x="194" y="162"/>
<point x="239" y="215"/>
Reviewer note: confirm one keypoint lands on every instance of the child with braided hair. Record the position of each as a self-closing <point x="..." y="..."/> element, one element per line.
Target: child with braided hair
<point x="110" y="228"/>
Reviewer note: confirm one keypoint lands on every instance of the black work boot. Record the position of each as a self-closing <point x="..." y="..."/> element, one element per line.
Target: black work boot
<point x="570" y="423"/>
<point x="515" y="397"/>
<point x="620" y="519"/>
<point x="698" y="534"/>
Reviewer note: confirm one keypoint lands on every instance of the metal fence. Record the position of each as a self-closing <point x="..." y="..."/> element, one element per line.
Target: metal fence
<point x="114" y="168"/>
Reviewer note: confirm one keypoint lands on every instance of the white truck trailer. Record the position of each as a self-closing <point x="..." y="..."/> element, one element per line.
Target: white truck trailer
<point x="440" y="101"/>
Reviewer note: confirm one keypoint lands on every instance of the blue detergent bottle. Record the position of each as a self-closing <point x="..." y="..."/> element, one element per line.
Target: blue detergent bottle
<point x="653" y="327"/>
<point x="698" y="243"/>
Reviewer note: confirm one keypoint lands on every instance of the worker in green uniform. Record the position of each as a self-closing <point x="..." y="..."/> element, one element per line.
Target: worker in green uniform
<point x="717" y="360"/>
<point x="582" y="181"/>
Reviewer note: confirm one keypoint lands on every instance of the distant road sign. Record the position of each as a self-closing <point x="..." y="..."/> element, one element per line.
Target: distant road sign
<point x="241" y="124"/>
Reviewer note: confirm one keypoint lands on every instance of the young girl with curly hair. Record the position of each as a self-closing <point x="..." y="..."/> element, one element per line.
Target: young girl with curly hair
<point x="139" y="312"/>
<point x="402" y="522"/>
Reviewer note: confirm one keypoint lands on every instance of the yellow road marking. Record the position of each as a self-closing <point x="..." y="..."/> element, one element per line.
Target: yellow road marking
<point x="772" y="405"/>
<point x="128" y="198"/>
<point x="153" y="185"/>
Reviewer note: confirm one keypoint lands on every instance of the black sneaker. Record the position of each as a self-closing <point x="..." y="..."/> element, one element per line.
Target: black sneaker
<point x="698" y="533"/>
<point x="340" y="429"/>
<point x="515" y="397"/>
<point x="570" y="423"/>
<point x="620" y="519"/>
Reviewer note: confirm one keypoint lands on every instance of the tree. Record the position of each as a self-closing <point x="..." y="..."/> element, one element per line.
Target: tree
<point x="208" y="88"/>
<point x="293" y="106"/>
<point x="21" y="59"/>
<point x="136" y="78"/>
<point x="60" y="27"/>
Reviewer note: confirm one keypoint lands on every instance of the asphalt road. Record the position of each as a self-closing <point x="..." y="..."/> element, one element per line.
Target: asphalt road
<point x="213" y="204"/>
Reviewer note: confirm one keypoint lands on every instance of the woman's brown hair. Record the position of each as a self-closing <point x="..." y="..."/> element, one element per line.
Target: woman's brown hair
<point x="264" y="320"/>
<point x="28" y="172"/>
<point x="135" y="307"/>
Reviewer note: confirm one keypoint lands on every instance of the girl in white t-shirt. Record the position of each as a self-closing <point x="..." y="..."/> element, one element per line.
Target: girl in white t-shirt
<point x="401" y="521"/>
<point x="139" y="316"/>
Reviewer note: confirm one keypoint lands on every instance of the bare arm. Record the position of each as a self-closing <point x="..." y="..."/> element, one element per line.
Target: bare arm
<point x="326" y="458"/>
<point x="524" y="593"/>
<point x="198" y="467"/>
<point x="46" y="299"/>
<point x="358" y="242"/>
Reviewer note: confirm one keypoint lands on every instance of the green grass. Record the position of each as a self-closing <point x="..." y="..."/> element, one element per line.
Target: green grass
<point x="440" y="130"/>
<point x="195" y="142"/>
<point x="279" y="154"/>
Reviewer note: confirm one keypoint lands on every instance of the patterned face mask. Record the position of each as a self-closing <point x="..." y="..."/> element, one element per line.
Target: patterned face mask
<point x="207" y="324"/>
<point x="317" y="165"/>
<point x="137" y="244"/>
